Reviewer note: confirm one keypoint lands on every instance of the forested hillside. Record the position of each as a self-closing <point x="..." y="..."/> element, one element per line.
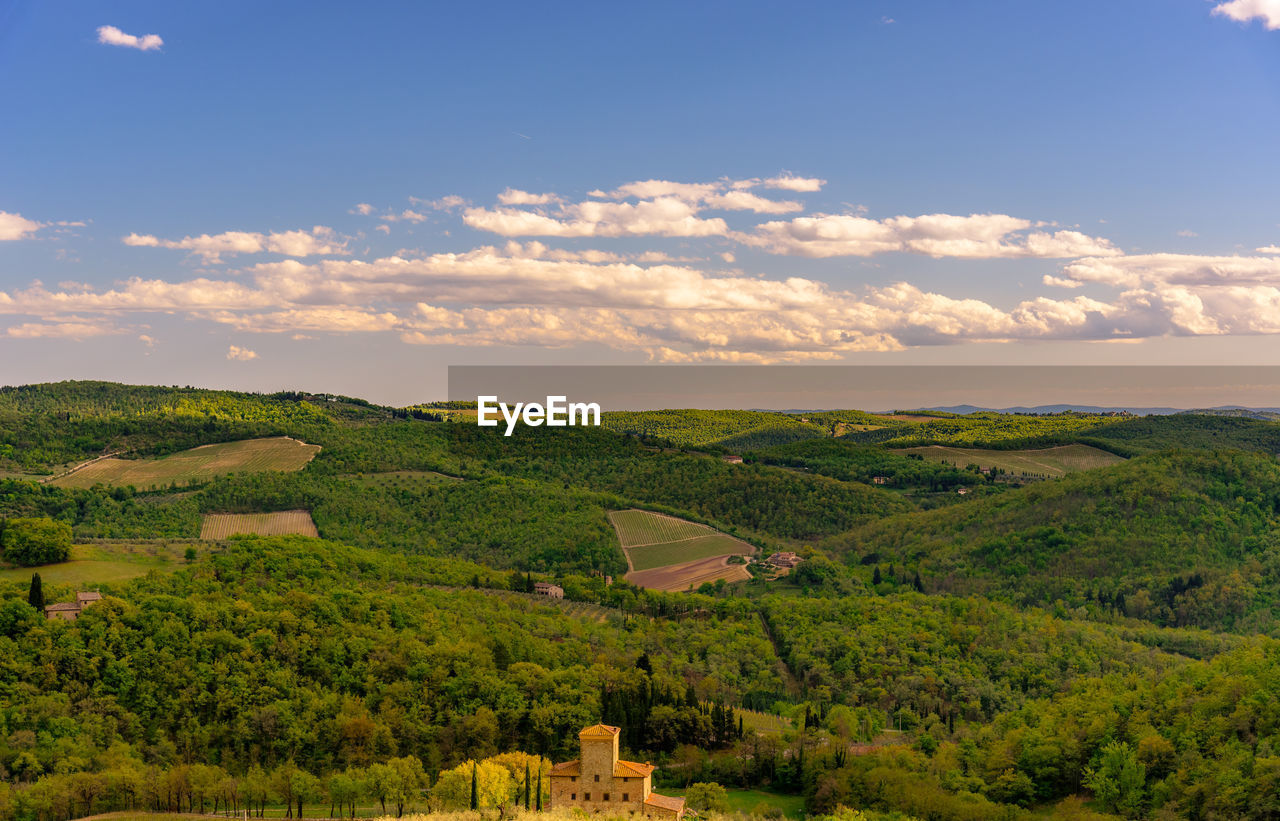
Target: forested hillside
<point x="1091" y="646"/>
<point x="1178" y="538"/>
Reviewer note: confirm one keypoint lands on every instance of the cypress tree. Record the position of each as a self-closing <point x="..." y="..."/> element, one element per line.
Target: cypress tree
<point x="475" y="788"/>
<point x="35" y="597"/>
<point x="526" y="786"/>
<point x="876" y="578"/>
<point x="539" y="785"/>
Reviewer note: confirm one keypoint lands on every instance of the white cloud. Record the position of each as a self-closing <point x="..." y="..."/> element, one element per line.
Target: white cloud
<point x="666" y="216"/>
<point x="237" y="354"/>
<point x="15" y="226"/>
<point x="407" y="215"/>
<point x="529" y="294"/>
<point x="112" y="36"/>
<point x="66" y="328"/>
<point x="1148" y="270"/>
<point x="318" y="241"/>
<point x="538" y="292"/>
<point x="514" y="196"/>
<point x="1187" y="233"/>
<point x="977" y="236"/>
<point x="1268" y="11"/>
<point x="1269" y="249"/>
<point x="364" y="209"/>
<point x="786" y="182"/>
<point x="447" y="203"/>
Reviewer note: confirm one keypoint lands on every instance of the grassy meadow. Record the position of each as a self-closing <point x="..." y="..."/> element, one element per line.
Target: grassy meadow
<point x="104" y="563"/>
<point x="194" y="465"/>
<point x="1049" y="462"/>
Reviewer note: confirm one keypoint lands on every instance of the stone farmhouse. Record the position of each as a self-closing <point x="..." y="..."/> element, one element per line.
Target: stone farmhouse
<point x="600" y="782"/>
<point x="555" y="591"/>
<point x="70" y="610"/>
<point x="786" y="559"/>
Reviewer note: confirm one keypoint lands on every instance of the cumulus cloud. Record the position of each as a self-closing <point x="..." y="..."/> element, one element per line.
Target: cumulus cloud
<point x="1267" y="11"/>
<point x="237" y="354"/>
<point x="666" y="208"/>
<point x="531" y="294"/>
<point x="786" y="182"/>
<point x="316" y="242"/>
<point x="112" y="36"/>
<point x="15" y="226"/>
<point x="537" y="292"/>
<point x="664" y="217"/>
<point x="977" y="236"/>
<point x="514" y="196"/>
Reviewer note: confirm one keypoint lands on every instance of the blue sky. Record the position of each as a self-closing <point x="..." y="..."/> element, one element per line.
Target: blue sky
<point x="873" y="182"/>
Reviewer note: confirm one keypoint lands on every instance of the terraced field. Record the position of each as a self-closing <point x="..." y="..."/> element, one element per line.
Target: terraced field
<point x="194" y="465"/>
<point x="281" y="523"/>
<point x="1048" y="462"/>
<point x="666" y="553"/>
<point x="641" y="527"/>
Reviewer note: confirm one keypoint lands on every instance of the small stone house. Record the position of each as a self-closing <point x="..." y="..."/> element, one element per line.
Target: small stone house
<point x="601" y="782"/>
<point x="70" y="610"/>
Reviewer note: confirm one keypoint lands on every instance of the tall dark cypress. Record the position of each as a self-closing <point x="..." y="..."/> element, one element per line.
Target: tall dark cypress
<point x="475" y="788"/>
<point x="527" y="792"/>
<point x="35" y="597"/>
<point x="539" y="785"/>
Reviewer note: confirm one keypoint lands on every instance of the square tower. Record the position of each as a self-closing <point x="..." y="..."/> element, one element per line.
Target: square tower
<point x="599" y="752"/>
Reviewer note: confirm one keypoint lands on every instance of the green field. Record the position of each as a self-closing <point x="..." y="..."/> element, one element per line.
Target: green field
<point x="281" y="523"/>
<point x="194" y="465"/>
<point x="746" y="802"/>
<point x="1050" y="462"/>
<point x="650" y="556"/>
<point x="103" y="563"/>
<point x="640" y="527"/>
<point x="653" y="540"/>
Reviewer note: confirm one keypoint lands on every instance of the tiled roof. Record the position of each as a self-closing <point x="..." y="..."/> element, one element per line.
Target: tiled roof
<point x="63" y="605"/>
<point x="599" y="731"/>
<point x="565" y="768"/>
<point x="630" y="769"/>
<point x="665" y="802"/>
<point x="92" y="595"/>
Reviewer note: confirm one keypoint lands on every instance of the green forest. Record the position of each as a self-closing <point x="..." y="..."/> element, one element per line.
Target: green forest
<point x="1101" y="645"/>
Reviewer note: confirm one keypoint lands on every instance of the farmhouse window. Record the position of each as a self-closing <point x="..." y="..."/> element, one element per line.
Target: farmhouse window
<point x="606" y="796"/>
<point x="626" y="797"/>
<point x="573" y="796"/>
<point x="586" y="796"/>
<point x="597" y="778"/>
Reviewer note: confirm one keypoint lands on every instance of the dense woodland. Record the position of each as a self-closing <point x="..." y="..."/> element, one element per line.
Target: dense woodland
<point x="1100" y="645"/>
